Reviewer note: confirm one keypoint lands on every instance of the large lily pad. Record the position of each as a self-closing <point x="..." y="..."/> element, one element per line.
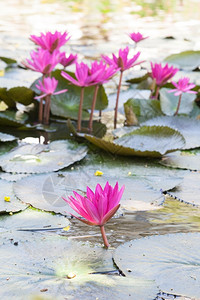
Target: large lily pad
<point x="171" y="260"/>
<point x="188" y="190"/>
<point x="187" y="60"/>
<point x="46" y="191"/>
<point x="169" y="102"/>
<point x="35" y="270"/>
<point x="8" y="200"/>
<point x="151" y="141"/>
<point x="31" y="158"/>
<point x="188" y="127"/>
<point x="183" y="160"/>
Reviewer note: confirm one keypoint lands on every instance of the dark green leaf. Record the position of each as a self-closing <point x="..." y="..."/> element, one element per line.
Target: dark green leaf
<point x="12" y="118"/>
<point x="8" y="61"/>
<point x="5" y="97"/>
<point x="21" y="94"/>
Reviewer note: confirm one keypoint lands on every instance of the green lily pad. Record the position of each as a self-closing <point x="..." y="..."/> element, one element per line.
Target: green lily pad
<point x="183" y="160"/>
<point x="12" y="118"/>
<point x="7" y="146"/>
<point x="31" y="158"/>
<point x="171" y="260"/>
<point x="187" y="60"/>
<point x="34" y="269"/>
<point x="6" y="193"/>
<point x="4" y="137"/>
<point x="6" y="99"/>
<point x="141" y="110"/>
<point x="32" y="220"/>
<point x="153" y="141"/>
<point x="46" y="190"/>
<point x="21" y="94"/>
<point x="169" y="102"/>
<point x="66" y="105"/>
<point x="188" y="127"/>
<point x="188" y="190"/>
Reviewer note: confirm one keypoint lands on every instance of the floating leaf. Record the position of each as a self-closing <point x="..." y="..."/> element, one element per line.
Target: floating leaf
<point x="143" y="109"/>
<point x="171" y="260"/>
<point x="14" y="205"/>
<point x="21" y="94"/>
<point x="4" y="137"/>
<point x="183" y="160"/>
<point x="187" y="60"/>
<point x="169" y="102"/>
<point x="12" y="118"/>
<point x="46" y="190"/>
<point x="31" y="158"/>
<point x="188" y="127"/>
<point x="151" y="141"/>
<point x="8" y="61"/>
<point x="188" y="190"/>
<point x="60" y="267"/>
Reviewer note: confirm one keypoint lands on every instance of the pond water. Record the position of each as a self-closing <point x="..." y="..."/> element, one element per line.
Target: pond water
<point x="102" y="27"/>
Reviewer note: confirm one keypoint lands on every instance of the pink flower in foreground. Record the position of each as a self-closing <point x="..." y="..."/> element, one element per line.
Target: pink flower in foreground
<point x="121" y="61"/>
<point x="48" y="87"/>
<point x="99" y="206"/>
<point x="67" y="61"/>
<point x="183" y="86"/>
<point x="137" y="37"/>
<point x="84" y="76"/>
<point x="162" y="74"/>
<point x="42" y="61"/>
<point x="50" y="41"/>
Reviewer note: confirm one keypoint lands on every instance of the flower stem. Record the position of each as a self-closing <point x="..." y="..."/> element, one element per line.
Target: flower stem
<point x="157" y="92"/>
<point x="40" y="113"/>
<point x="80" y="109"/>
<point x="178" y="106"/>
<point x="117" y="100"/>
<point x="93" y="107"/>
<point x="106" y="244"/>
<point x="47" y="109"/>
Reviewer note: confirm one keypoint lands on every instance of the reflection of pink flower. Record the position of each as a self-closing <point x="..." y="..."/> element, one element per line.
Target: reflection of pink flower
<point x="99" y="206"/>
<point x="50" y="41"/>
<point x="43" y="61"/>
<point x="183" y="86"/>
<point x="137" y="37"/>
<point x="162" y="74"/>
<point x="122" y="60"/>
<point x="67" y="61"/>
<point x="84" y="76"/>
<point x="48" y="87"/>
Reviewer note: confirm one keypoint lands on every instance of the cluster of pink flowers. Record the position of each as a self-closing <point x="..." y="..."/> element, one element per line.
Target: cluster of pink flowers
<point x="44" y="60"/>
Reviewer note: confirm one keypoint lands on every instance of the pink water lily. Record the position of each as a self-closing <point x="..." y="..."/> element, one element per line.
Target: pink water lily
<point x="183" y="86"/>
<point x="42" y="61"/>
<point x="137" y="37"/>
<point x="84" y="77"/>
<point x="50" y="41"/>
<point x="97" y="207"/>
<point x="122" y="63"/>
<point x="162" y="74"/>
<point x="67" y="61"/>
<point x="48" y="87"/>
